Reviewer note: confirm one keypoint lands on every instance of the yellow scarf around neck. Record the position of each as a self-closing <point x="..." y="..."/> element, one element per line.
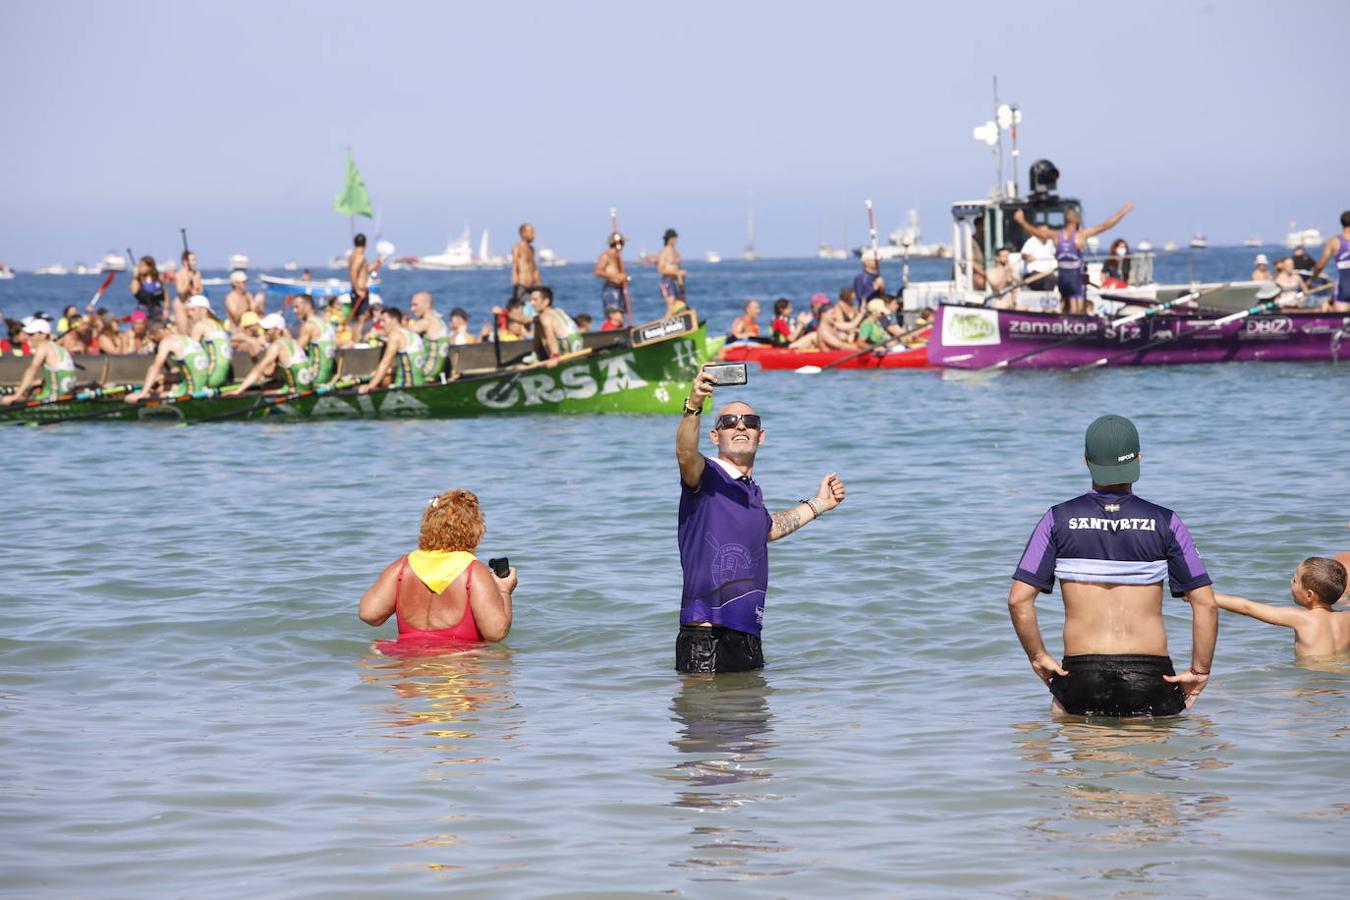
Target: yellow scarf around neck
<point x="437" y="568"/>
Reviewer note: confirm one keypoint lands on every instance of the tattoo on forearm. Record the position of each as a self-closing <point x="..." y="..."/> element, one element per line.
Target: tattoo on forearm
<point x="786" y="522"/>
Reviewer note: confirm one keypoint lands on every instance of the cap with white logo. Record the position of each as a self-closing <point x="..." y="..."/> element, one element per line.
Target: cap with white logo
<point x="1112" y="450"/>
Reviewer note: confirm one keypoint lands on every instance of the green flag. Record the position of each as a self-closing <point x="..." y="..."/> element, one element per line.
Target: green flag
<point x="354" y="199"/>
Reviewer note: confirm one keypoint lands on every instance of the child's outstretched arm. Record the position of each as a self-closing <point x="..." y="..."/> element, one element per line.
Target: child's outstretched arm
<point x="1275" y="615"/>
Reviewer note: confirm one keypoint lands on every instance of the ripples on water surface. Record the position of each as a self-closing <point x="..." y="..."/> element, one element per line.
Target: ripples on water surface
<point x="189" y="705"/>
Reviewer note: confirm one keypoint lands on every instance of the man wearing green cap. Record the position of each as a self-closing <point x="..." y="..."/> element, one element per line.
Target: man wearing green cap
<point x="1111" y="550"/>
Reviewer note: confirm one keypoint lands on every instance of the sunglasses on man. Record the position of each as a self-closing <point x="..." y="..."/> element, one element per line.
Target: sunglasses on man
<point x="728" y="421"/>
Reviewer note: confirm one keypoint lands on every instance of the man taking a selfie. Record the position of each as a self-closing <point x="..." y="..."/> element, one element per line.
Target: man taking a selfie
<point x="724" y="535"/>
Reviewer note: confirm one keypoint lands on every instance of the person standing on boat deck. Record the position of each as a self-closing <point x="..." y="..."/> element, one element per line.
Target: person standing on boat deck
<point x="358" y="273"/>
<point x="1116" y="266"/>
<point x="317" y="338"/>
<point x="724" y="535"/>
<point x="609" y="269"/>
<point x="187" y="283"/>
<point x="429" y="324"/>
<point x="1338" y="245"/>
<point x="148" y="288"/>
<point x="524" y="269"/>
<point x="1038" y="261"/>
<point x="1069" y="243"/>
<point x="672" y="275"/>
<point x="868" y="284"/>
<point x="50" y="362"/>
<point x="1111" y="550"/>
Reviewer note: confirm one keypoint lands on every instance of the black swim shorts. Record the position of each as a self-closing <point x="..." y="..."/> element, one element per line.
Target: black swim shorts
<point x="1117" y="685"/>
<point x="712" y="648"/>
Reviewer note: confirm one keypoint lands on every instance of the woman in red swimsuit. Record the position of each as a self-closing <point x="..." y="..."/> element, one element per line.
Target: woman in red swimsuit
<point x="444" y="597"/>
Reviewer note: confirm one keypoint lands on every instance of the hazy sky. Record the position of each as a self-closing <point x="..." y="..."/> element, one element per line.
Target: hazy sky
<point x="124" y="121"/>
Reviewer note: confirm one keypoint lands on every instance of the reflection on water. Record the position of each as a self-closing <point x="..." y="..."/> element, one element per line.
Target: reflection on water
<point x="447" y="697"/>
<point x="1122" y="782"/>
<point x="725" y="726"/>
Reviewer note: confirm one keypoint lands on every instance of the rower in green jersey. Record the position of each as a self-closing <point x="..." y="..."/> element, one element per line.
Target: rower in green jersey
<point x="283" y="361"/>
<point x="178" y="352"/>
<point x="318" y="338"/>
<point x="51" y="363"/>
<point x="404" y="360"/>
<point x="429" y="324"/>
<point x="205" y="329"/>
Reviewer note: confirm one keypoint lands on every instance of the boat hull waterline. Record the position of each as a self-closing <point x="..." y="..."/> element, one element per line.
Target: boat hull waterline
<point x="967" y="337"/>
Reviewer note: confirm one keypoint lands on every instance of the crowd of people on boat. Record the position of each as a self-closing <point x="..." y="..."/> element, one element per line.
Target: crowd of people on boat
<point x="842" y="324"/>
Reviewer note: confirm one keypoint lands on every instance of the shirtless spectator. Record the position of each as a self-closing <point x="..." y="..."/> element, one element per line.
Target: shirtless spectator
<point x="524" y="269"/>
<point x="238" y="301"/>
<point x="1262" y="270"/>
<point x="839" y="324"/>
<point x="358" y="273"/>
<point x="1002" y="280"/>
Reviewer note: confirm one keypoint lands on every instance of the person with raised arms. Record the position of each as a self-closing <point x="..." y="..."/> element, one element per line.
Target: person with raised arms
<point x="1339" y="246"/>
<point x="1111" y="551"/>
<point x="283" y="360"/>
<point x="403" y="363"/>
<point x="318" y="338"/>
<point x="524" y="269"/>
<point x="554" y="331"/>
<point x="429" y="324"/>
<point x="1070" y="241"/>
<point x="206" y="329"/>
<point x="672" y="275"/>
<point x="51" y="365"/>
<point x="176" y="351"/>
<point x="724" y="535"/>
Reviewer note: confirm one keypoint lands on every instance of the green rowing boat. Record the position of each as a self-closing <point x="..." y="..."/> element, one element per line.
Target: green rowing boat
<point x="647" y="369"/>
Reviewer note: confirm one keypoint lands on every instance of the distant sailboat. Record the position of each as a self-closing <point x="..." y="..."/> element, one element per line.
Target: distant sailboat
<point x="750" y="254"/>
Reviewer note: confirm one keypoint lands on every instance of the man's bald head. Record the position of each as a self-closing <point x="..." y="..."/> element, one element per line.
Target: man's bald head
<point x="735" y="408"/>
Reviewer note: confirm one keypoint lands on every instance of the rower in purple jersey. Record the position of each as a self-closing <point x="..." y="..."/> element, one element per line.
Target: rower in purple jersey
<point x="724" y="536"/>
<point x="1111" y="551"/>
<point x="1069" y="243"/>
<point x="1338" y="244"/>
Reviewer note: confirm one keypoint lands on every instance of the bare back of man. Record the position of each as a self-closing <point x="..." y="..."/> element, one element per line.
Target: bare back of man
<point x="524" y="267"/>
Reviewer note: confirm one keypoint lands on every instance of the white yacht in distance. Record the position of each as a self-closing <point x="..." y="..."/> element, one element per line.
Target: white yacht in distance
<point x="113" y="262"/>
<point x="458" y="254"/>
<point x="1252" y="241"/>
<point x="826" y="250"/>
<point x="53" y="269"/>
<point x="907" y="241"/>
<point x="547" y="259"/>
<point x="712" y="256"/>
<point x="1199" y="241"/>
<point x="291" y="266"/>
<point x="6" y="272"/>
<point x="238" y="261"/>
<point x="1306" y="237"/>
<point x="1144" y="246"/>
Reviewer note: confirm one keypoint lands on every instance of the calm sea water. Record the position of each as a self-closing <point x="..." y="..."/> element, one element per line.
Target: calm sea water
<point x="190" y="706"/>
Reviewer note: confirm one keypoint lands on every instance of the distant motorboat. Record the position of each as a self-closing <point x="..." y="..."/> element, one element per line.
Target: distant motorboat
<point x="238" y="261"/>
<point x="113" y="262"/>
<point x="826" y="250"/>
<point x="1252" y="241"/>
<point x="53" y="269"/>
<point x="1305" y="237"/>
<point x="712" y="256"/>
<point x="907" y="242"/>
<point x="1144" y="246"/>
<point x="291" y="266"/>
<point x="6" y="272"/>
<point x="547" y="259"/>
<point x="458" y="254"/>
<point x="81" y="269"/>
<point x="1199" y="241"/>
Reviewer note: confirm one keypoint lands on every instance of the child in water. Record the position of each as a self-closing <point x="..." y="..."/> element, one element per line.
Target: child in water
<point x="1319" y="630"/>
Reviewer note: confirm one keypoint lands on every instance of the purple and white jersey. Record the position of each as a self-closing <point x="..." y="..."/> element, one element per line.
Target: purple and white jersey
<point x="1113" y="539"/>
<point x="724" y="550"/>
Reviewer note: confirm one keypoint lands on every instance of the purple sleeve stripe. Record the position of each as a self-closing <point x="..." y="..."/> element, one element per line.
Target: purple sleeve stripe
<point x="1034" y="556"/>
<point x="1186" y="545"/>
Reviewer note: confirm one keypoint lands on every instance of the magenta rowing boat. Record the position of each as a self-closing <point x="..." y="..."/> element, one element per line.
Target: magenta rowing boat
<point x="972" y="337"/>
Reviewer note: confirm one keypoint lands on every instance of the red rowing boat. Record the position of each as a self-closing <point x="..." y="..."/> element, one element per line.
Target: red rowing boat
<point x="779" y="358"/>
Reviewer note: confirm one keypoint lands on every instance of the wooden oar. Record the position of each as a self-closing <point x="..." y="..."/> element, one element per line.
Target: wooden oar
<point x="1264" y="306"/>
<point x="102" y="289"/>
<point x="627" y="301"/>
<point x="89" y="392"/>
<point x="267" y="402"/>
<point x="816" y="370"/>
<point x="1017" y="285"/>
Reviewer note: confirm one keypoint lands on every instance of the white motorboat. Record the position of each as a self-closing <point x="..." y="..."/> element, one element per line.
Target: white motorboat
<point x="113" y="262"/>
<point x="907" y="241"/>
<point x="1302" y="237"/>
<point x="1144" y="246"/>
<point x="826" y="250"/>
<point x="53" y="269"/>
<point x="712" y="256"/>
<point x="6" y="272"/>
<point x="547" y="259"/>
<point x="1199" y="241"/>
<point x="458" y="254"/>
<point x="81" y="269"/>
<point x="291" y="266"/>
<point x="1252" y="241"/>
<point x="238" y="261"/>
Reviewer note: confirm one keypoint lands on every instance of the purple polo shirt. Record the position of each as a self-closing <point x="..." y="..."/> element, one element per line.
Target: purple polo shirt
<point x="865" y="286"/>
<point x="1114" y="539"/>
<point x="724" y="550"/>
